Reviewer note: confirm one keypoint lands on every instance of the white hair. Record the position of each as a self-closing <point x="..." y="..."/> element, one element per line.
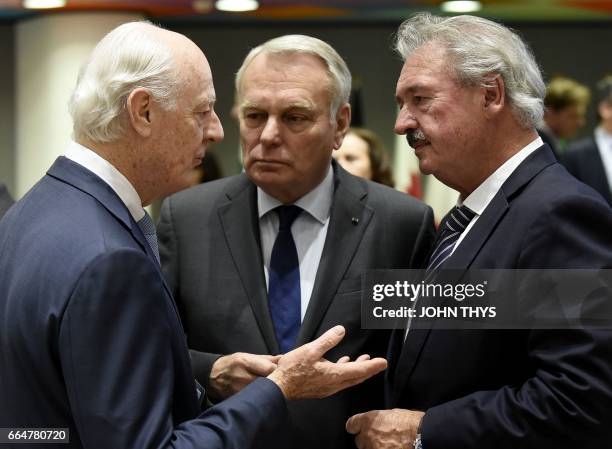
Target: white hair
<point x="129" y="57"/>
<point x="337" y="70"/>
<point x="477" y="48"/>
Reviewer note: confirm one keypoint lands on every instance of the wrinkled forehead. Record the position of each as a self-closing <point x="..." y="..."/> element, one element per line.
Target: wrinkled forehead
<point x="286" y="66"/>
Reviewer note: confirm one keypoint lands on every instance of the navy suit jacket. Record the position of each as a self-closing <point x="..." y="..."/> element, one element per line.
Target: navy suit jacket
<point x="517" y="388"/>
<point x="583" y="160"/>
<point x="90" y="338"/>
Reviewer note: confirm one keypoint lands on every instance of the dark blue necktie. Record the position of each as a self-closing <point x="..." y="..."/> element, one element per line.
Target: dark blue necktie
<point x="450" y="231"/>
<point x="284" y="286"/>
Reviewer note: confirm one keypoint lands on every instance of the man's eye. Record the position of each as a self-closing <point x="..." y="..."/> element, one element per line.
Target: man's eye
<point x="296" y="118"/>
<point x="253" y="115"/>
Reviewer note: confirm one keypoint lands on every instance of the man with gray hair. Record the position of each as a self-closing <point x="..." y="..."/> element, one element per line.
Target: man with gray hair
<point x="470" y="95"/>
<point x="267" y="260"/>
<point x="91" y="343"/>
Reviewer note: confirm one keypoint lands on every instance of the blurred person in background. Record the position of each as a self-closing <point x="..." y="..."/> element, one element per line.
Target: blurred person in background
<point x="363" y="154"/>
<point x="565" y="106"/>
<point x="590" y="159"/>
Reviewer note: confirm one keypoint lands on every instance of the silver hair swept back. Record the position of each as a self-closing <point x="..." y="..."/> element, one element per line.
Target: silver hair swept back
<point x="477" y="48"/>
<point x="339" y="74"/>
<point x="129" y="57"/>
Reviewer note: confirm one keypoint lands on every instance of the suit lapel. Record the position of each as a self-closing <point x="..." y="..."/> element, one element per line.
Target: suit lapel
<point x="79" y="177"/>
<point x="463" y="258"/>
<point x="348" y="221"/>
<point x="245" y="249"/>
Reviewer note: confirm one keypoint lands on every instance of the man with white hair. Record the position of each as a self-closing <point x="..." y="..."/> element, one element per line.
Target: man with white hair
<point x="90" y="337"/>
<point x="267" y="260"/>
<point x="470" y="95"/>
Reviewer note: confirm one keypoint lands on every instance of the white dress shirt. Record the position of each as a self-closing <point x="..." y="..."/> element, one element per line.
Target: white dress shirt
<point x="603" y="139"/>
<point x="480" y="198"/>
<point x="309" y="231"/>
<point x="109" y="174"/>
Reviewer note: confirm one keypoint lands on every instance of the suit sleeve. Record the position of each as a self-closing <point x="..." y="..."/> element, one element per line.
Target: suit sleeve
<point x="201" y="362"/>
<point x="565" y="401"/>
<point x="119" y="358"/>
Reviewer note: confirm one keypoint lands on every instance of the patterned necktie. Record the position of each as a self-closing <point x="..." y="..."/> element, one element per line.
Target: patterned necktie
<point x="284" y="296"/>
<point x="148" y="229"/>
<point x="452" y="227"/>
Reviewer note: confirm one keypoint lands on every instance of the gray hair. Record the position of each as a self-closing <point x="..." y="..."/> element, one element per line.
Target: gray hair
<point x="477" y="48"/>
<point x="129" y="57"/>
<point x="339" y="74"/>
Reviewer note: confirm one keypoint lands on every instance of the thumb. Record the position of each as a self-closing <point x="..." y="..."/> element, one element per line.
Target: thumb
<point x="353" y="424"/>
<point x="328" y="340"/>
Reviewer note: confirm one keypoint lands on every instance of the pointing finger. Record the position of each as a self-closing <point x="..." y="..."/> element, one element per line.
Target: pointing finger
<point x="328" y="340"/>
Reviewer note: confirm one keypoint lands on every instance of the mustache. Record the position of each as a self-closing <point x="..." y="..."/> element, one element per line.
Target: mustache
<point x="415" y="135"/>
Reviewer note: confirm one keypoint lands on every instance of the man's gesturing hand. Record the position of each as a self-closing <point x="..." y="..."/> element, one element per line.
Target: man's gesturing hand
<point x="385" y="429"/>
<point x="304" y="373"/>
<point x="231" y="373"/>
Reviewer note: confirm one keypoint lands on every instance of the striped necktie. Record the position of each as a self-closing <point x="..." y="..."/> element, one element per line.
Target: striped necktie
<point x="148" y="229"/>
<point x="452" y="227"/>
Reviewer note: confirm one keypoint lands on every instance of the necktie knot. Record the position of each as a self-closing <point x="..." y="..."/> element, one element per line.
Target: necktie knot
<point x="147" y="227"/>
<point x="146" y="224"/>
<point x="459" y="218"/>
<point x="454" y="224"/>
<point x="287" y="215"/>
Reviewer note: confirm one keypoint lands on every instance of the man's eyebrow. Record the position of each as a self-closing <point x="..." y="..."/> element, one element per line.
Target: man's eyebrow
<point x="248" y="104"/>
<point x="300" y="105"/>
<point x="209" y="101"/>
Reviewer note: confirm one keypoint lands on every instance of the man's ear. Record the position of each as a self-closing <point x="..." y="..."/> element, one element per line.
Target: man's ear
<point x="494" y="94"/>
<point x="343" y="121"/>
<point x="139" y="104"/>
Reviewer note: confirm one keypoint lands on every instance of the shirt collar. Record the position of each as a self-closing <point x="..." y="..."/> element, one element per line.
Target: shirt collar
<point x="109" y="174"/>
<point x="480" y="198"/>
<point x="317" y="202"/>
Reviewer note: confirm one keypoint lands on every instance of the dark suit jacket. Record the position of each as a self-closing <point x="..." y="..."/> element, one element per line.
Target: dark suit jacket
<point x="90" y="338"/>
<point x="6" y="200"/>
<point x="517" y="388"/>
<point x="583" y="160"/>
<point x="210" y="250"/>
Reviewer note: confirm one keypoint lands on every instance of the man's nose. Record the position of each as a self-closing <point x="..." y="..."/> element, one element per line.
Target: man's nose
<point x="405" y="121"/>
<point x="215" y="131"/>
<point x="271" y="131"/>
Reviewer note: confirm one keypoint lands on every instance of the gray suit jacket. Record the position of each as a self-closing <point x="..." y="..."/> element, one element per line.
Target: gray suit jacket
<point x="6" y="200"/>
<point x="210" y="250"/>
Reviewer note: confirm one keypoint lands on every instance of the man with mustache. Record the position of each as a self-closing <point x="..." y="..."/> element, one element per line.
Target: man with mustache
<point x="470" y="96"/>
<point x="226" y="245"/>
<point x="90" y="337"/>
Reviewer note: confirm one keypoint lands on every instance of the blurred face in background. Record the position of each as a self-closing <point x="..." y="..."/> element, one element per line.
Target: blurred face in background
<point x="354" y="156"/>
<point x="566" y="122"/>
